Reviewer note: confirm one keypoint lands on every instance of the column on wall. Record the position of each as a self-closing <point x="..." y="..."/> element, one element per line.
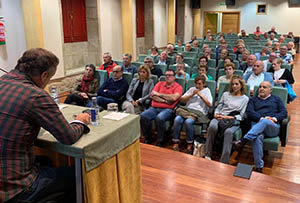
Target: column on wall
<point x="196" y="20"/>
<point x="171" y="20"/>
<point x="33" y="23"/>
<point x="127" y="26"/>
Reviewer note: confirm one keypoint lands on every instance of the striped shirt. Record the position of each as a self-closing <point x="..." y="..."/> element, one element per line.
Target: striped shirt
<point x="24" y="109"/>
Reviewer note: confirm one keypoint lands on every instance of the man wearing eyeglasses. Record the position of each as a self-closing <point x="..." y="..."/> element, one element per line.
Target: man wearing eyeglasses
<point x="286" y="57"/>
<point x="257" y="75"/>
<point x="113" y="89"/>
<point x="265" y="112"/>
<point x="165" y="95"/>
<point x="154" y="71"/>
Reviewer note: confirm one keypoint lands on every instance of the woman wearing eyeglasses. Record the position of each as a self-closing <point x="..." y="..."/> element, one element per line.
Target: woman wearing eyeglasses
<point x="198" y="99"/>
<point x="138" y="94"/>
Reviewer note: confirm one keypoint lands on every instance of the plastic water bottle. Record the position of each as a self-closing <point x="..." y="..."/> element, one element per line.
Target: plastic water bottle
<point x="94" y="112"/>
<point x="54" y="94"/>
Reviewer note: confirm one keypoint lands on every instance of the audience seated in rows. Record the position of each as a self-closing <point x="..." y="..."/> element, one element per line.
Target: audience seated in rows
<point x="232" y="105"/>
<point x="165" y="95"/>
<point x="138" y="94"/>
<point x="86" y="87"/>
<point x="108" y="64"/>
<point x="265" y="112"/>
<point x="197" y="101"/>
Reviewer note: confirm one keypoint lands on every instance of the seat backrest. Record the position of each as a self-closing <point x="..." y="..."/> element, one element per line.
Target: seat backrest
<point x="190" y="54"/>
<point x="142" y="57"/>
<point x="162" y="67"/>
<point x="221" y="72"/>
<point x="224" y="86"/>
<point x="118" y="62"/>
<point x="212" y="72"/>
<point x="236" y="63"/>
<point x="212" y="63"/>
<point x="189" y="61"/>
<point x="127" y="76"/>
<point x="278" y="91"/>
<point x="137" y="64"/>
<point x="210" y="84"/>
<point x="102" y="75"/>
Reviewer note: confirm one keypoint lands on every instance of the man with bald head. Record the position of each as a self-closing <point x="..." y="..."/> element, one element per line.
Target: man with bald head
<point x="247" y="67"/>
<point x="272" y="31"/>
<point x="265" y="112"/>
<point x="113" y="90"/>
<point x="257" y="76"/>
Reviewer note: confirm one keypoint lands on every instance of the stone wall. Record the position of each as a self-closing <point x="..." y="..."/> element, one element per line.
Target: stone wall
<point x="78" y="54"/>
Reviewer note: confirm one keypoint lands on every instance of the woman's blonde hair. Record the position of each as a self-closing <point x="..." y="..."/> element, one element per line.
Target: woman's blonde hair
<point x="147" y="69"/>
<point x="241" y="81"/>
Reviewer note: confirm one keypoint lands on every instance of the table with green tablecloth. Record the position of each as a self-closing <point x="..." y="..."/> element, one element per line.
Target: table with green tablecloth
<point x="107" y="159"/>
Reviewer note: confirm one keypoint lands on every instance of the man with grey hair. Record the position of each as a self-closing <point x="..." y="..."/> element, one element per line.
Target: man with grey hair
<point x="154" y="71"/>
<point x="265" y="112"/>
<point x="286" y="57"/>
<point x="108" y="63"/>
<point x="127" y="67"/>
<point x="170" y="50"/>
<point x="247" y="67"/>
<point x="271" y="58"/>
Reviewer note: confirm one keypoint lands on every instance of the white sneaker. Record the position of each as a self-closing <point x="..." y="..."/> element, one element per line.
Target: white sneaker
<point x="207" y="157"/>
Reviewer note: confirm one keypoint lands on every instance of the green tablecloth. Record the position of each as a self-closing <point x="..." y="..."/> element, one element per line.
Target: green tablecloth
<point x="103" y="141"/>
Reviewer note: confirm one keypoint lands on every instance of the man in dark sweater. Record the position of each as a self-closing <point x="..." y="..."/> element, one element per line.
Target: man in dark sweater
<point x="265" y="112"/>
<point x="113" y="90"/>
<point x="154" y="71"/>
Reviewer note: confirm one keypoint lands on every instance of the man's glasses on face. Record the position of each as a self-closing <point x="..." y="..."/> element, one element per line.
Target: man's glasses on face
<point x="169" y="75"/>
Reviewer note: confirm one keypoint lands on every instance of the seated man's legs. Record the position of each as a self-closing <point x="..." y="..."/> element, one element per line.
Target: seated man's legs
<point x="227" y="144"/>
<point x="48" y="182"/>
<point x="256" y="134"/>
<point x="211" y="134"/>
<point x="146" y="124"/>
<point x="103" y="101"/>
<point x="160" y="123"/>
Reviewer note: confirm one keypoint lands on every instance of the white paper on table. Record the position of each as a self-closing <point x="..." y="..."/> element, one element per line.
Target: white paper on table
<point x="62" y="106"/>
<point x="116" y="116"/>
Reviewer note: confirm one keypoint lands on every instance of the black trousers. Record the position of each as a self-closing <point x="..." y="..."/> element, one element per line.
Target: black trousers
<point x="76" y="99"/>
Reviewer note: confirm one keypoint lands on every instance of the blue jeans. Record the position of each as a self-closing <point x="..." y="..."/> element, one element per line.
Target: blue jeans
<point x="49" y="181"/>
<point x="102" y="101"/>
<point x="256" y="135"/>
<point x="161" y="116"/>
<point x="189" y="129"/>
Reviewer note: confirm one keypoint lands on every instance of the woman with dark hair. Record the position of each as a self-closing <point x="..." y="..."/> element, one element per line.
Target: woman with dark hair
<point x="232" y="105"/>
<point x="86" y="87"/>
<point x="198" y="99"/>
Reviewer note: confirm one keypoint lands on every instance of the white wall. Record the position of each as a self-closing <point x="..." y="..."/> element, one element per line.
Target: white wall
<point x="53" y="31"/>
<point x="188" y="21"/>
<point x="14" y="34"/>
<point x="285" y="19"/>
<point x="160" y="23"/>
<point x="110" y="27"/>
